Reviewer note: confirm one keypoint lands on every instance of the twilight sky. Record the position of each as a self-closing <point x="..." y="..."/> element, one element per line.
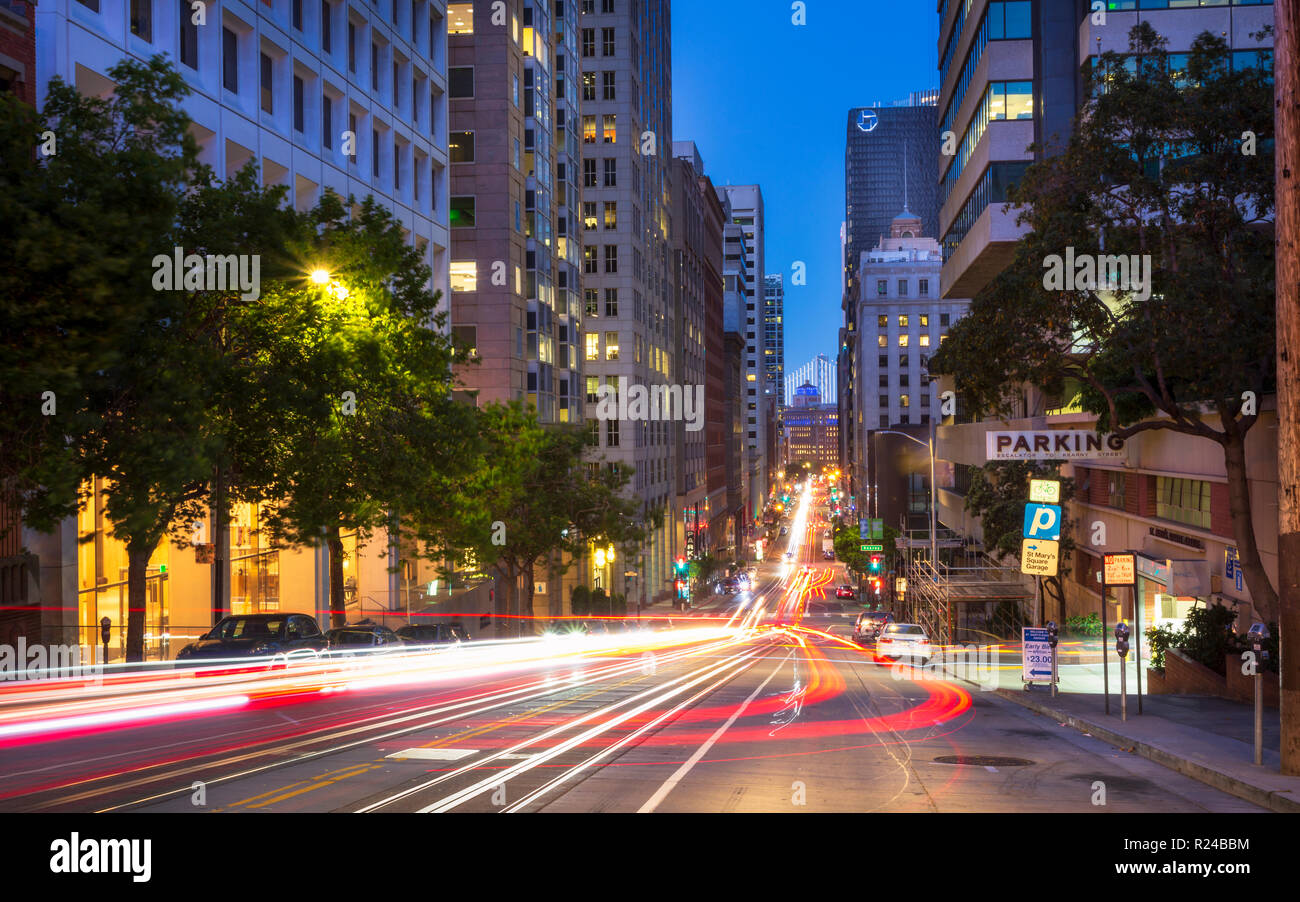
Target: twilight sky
<point x="766" y="101"/>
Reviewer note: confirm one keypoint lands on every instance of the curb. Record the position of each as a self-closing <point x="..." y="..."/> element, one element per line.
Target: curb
<point x="1263" y="797"/>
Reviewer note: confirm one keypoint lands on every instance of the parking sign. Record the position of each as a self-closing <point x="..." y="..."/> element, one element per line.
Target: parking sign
<point x="1043" y="521"/>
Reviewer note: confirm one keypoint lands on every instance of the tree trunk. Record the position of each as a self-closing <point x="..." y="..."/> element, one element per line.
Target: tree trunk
<point x="528" y="614"/>
<point x="338" y="606"/>
<point x="1243" y="528"/>
<point x="221" y="547"/>
<point x="1287" y="162"/>
<point x="506" y="603"/>
<point x="137" y="575"/>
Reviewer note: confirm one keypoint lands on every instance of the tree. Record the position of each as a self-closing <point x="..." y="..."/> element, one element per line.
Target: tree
<point x="378" y="429"/>
<point x="1154" y="168"/>
<point x="530" y="497"/>
<point x="89" y="191"/>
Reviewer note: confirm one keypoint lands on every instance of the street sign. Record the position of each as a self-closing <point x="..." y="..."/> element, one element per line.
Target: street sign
<point x="864" y="529"/>
<point x="1045" y="491"/>
<point x="1035" y="655"/>
<point x="877" y="529"/>
<point x="1039" y="557"/>
<point x="873" y="547"/>
<point x="1119" y="569"/>
<point x="1043" y="521"/>
<point x="1232" y="567"/>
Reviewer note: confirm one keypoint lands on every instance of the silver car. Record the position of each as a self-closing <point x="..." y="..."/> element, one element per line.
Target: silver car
<point x="904" y="640"/>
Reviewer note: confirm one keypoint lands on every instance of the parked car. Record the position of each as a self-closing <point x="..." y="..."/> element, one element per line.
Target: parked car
<point x="257" y="636"/>
<point x="845" y="591"/>
<point x="361" y="636"/>
<point x="869" y="625"/>
<point x="432" y="634"/>
<point x="828" y="555"/>
<point x="903" y="640"/>
<point x="731" y="585"/>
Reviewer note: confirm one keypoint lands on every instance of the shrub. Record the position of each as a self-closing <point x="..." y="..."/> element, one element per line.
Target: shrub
<point x="1083" y="626"/>
<point x="1159" y="640"/>
<point x="581" y="601"/>
<point x="599" y="603"/>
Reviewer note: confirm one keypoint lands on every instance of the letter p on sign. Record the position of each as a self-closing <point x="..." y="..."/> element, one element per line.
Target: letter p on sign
<point x="1042" y="521"/>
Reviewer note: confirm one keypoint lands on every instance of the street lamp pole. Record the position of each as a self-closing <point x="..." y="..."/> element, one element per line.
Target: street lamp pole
<point x="934" y="493"/>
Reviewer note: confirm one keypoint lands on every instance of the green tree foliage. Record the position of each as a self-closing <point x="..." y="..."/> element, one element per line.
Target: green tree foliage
<point x="373" y="429"/>
<point x="530" y="497"/>
<point x="1154" y="167"/>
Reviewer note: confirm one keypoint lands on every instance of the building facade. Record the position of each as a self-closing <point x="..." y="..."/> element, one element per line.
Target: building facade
<point x="812" y="429"/>
<point x="747" y="212"/>
<point x="317" y="95"/>
<point x="625" y="58"/>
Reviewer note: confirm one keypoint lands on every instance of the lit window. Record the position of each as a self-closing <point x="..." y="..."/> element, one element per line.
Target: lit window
<point x="904" y="400"/>
<point x="902" y="341"/>
<point x="611" y="346"/>
<point x="925" y="341"/>
<point x="464" y="276"/>
<point x="588" y="129"/>
<point x="593" y="346"/>
<point x="882" y="341"/>
<point x="609" y="128"/>
<point x="611" y="214"/>
<point x="460" y="18"/>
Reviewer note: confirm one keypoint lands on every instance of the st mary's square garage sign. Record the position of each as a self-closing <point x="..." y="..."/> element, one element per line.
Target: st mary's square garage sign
<point x="1053" y="444"/>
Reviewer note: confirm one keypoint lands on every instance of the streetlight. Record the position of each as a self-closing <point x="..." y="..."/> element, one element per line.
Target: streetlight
<point x="934" y="495"/>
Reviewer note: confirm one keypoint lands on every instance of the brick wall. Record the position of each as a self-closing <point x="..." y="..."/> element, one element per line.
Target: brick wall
<point x="18" y="43"/>
<point x="1220" y="511"/>
<point x="1183" y="676"/>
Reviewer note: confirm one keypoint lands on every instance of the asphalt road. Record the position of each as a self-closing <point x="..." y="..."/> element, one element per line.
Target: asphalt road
<point x="757" y="712"/>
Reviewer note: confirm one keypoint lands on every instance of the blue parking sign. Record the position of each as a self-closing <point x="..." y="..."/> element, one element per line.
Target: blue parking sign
<point x="1043" y="521"/>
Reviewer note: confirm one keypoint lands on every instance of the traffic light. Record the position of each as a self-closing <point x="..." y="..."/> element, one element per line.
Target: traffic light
<point x="877" y="563"/>
<point x="680" y="565"/>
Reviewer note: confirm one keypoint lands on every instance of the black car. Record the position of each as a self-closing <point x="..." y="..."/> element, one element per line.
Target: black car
<point x="257" y="636"/>
<point x="361" y="636"/>
<point x="432" y="634"/>
<point x="869" y="625"/>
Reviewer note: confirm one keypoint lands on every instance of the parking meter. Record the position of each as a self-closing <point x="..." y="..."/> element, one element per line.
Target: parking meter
<point x="106" y="629"/>
<point x="1051" y="633"/>
<point x="1122" y="634"/>
<point x="1258" y="633"/>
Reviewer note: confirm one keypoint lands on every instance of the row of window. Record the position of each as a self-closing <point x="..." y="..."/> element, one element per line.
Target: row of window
<point x="1001" y="22"/>
<point x="903" y="361"/>
<point x="608" y="82"/>
<point x="1121" y="5"/>
<point x="1003" y="100"/>
<point x="922" y="287"/>
<point x="904" y="340"/>
<point x="882" y="321"/>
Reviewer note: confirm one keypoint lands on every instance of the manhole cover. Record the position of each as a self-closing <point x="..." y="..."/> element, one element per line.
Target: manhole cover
<point x="983" y="760"/>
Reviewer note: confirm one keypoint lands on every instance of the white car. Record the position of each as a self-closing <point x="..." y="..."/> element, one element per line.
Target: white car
<point x="904" y="640"/>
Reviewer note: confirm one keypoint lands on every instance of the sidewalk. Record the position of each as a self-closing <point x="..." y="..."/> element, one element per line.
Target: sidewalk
<point x="1207" y="739"/>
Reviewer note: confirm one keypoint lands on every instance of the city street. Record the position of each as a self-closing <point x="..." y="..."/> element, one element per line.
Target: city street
<point x="770" y="711"/>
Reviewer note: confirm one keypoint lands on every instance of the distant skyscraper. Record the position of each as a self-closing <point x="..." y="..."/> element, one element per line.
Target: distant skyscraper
<point x="747" y="212"/>
<point x="891" y="154"/>
<point x="819" y="372"/>
<point x="774" y="336"/>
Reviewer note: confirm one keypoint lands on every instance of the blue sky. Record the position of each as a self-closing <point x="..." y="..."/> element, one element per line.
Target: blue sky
<point x="766" y="101"/>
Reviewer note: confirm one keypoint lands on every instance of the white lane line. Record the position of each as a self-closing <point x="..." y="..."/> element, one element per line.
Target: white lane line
<point x="434" y="754"/>
<point x="662" y="792"/>
<point x="990" y="768"/>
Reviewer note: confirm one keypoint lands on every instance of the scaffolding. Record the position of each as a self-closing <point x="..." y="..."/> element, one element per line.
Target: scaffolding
<point x="967" y="596"/>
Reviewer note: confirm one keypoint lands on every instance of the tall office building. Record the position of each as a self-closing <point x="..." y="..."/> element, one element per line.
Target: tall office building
<point x="516" y="242"/>
<point x="741" y="379"/>
<point x="774" y="338"/>
<point x="626" y="125"/>
<point x="890" y="157"/>
<point x="819" y="372"/>
<point x="696" y="234"/>
<point x="317" y="94"/>
<point x="746" y="203"/>
<point x="1009" y="79"/>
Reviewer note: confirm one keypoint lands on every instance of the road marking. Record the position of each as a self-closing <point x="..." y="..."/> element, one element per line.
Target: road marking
<point x="426" y="754"/>
<point x="990" y="768"/>
<point x="662" y="792"/>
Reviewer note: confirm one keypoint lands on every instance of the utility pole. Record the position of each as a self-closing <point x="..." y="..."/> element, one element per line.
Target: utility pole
<point x="1286" y="87"/>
